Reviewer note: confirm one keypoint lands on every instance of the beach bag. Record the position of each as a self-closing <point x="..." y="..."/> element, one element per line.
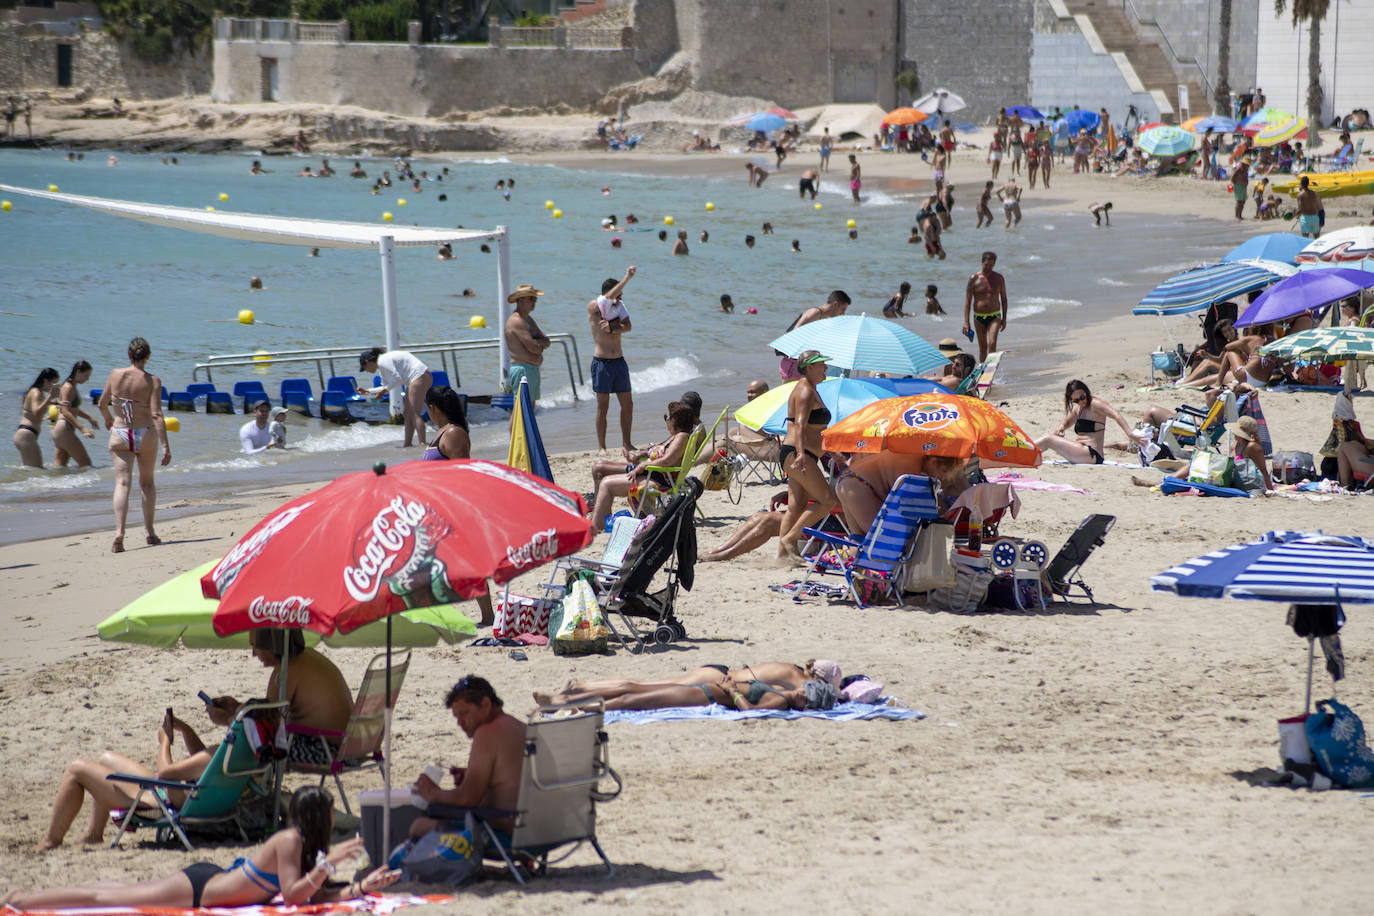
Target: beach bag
<point x="1336" y="738"/>
<point x="583" y="629"/>
<point x="720" y="473"/>
<point x="1165" y="361"/>
<point x="449" y="856"/>
<point x="1248" y="476"/>
<point x="930" y="566"/>
<point x="1294" y="467"/>
<point x="971" y="579"/>
<point x="1210" y="467"/>
<point x="518" y="614"/>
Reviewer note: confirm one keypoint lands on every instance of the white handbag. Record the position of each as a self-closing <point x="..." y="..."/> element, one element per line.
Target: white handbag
<point x="930" y="566"/>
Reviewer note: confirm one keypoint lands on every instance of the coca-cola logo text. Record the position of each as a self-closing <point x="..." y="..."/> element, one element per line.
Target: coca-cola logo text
<point x="542" y="546"/>
<point x="390" y="530"/>
<point x="242" y="553"/>
<point x="292" y="611"/>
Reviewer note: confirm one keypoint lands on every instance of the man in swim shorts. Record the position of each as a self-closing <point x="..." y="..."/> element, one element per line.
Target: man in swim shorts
<point x="609" y="319"/>
<point x="810" y="181"/>
<point x="1240" y="180"/>
<point x="855" y="180"/>
<point x="986" y="296"/>
<point x="1309" y="209"/>
<point x="525" y="341"/>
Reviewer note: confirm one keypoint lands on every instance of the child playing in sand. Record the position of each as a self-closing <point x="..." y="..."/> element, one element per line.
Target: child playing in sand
<point x="1100" y="212"/>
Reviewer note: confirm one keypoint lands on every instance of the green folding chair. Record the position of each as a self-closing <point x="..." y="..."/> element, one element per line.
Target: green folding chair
<point x="698" y="439"/>
<point x="213" y="800"/>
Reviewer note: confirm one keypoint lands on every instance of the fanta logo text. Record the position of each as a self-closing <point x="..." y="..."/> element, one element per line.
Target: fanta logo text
<point x="390" y="530"/>
<point x="543" y="546"/>
<point x="930" y="417"/>
<point x="293" y="611"/>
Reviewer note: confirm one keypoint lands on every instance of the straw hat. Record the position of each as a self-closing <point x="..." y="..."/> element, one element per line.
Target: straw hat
<point x="949" y="345"/>
<point x="523" y="291"/>
<point x="1245" y="428"/>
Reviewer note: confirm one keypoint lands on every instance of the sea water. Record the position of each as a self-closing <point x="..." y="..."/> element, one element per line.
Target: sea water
<point x="78" y="284"/>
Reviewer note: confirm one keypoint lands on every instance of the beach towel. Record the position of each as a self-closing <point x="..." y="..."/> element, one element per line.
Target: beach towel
<point x="1174" y="485"/>
<point x="1021" y="482"/>
<point x="842" y="712"/>
<point x="381" y="904"/>
<point x="1250" y="407"/>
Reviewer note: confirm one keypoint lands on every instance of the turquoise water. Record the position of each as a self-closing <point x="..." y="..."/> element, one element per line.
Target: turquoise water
<point x="78" y="284"/>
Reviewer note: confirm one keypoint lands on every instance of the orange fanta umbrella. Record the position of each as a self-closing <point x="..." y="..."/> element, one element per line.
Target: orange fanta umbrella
<point x="950" y="425"/>
<point x="907" y="115"/>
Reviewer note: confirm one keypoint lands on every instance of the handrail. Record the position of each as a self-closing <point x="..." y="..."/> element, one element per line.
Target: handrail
<point x="1152" y="21"/>
<point x="322" y="356"/>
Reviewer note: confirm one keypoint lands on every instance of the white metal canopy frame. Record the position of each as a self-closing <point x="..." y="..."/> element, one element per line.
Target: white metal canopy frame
<point x="313" y="233"/>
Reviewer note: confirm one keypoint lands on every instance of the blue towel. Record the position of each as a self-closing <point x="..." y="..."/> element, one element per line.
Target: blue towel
<point x="1174" y="485"/>
<point x="843" y="712"/>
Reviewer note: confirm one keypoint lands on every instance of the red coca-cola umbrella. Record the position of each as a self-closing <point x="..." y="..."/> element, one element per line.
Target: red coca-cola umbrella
<point x="377" y="542"/>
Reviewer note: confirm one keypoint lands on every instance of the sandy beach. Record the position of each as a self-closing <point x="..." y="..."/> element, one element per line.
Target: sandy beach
<point x="1086" y="758"/>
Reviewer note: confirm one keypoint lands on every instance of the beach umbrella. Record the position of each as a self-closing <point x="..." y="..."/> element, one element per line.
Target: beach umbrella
<point x="1151" y="125"/>
<point x="1218" y="124"/>
<point x="1270" y="246"/>
<point x="864" y="342"/>
<point x="784" y="113"/>
<point x="1166" y="141"/>
<point x="1026" y="112"/>
<point x="1079" y="119"/>
<point x="526" y="450"/>
<point x="763" y="120"/>
<point x="1252" y="124"/>
<point x="949" y="425"/>
<point x="1304" y="292"/>
<point x="1291" y="566"/>
<point x="1196" y="289"/>
<point x="898" y="117"/>
<point x="178" y="613"/>
<point x="1327" y="344"/>
<point x="841" y="396"/>
<point x="1342" y="245"/>
<point x="941" y="101"/>
<point x="1275" y="133"/>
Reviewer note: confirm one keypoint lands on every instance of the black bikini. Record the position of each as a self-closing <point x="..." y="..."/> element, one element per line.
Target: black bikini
<point x="1086" y="427"/>
<point x="199" y="874"/>
<point x="785" y="451"/>
<point x="29" y="428"/>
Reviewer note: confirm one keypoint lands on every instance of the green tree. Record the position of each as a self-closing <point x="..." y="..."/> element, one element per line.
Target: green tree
<point x="1311" y="12"/>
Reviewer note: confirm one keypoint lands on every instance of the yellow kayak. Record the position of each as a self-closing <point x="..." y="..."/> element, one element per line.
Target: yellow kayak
<point x="1330" y="184"/>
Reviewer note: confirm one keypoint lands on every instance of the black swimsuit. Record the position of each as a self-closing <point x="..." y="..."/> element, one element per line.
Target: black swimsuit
<point x="199" y="874"/>
<point x="1084" y="426"/>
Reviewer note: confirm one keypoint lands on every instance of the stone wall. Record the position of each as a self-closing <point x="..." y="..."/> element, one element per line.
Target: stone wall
<point x="1194" y="31"/>
<point x="1066" y="72"/>
<point x="101" y="66"/>
<point x="977" y="49"/>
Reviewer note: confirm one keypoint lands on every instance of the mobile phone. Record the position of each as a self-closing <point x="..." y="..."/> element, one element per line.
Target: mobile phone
<point x="205" y="698"/>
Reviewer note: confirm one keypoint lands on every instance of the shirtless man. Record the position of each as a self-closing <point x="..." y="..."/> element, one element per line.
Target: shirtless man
<point x="680" y="246"/>
<point x="1010" y="196"/>
<point x="756" y="174"/>
<point x="986" y="296"/>
<point x="855" y="179"/>
<point x="609" y="319"/>
<point x="835" y="305"/>
<point x="1240" y="180"/>
<point x="810" y="181"/>
<point x="524" y="340"/>
<point x="1309" y="209"/>
<point x="491" y="778"/>
<point x="984" y="210"/>
<point x="947" y="137"/>
<point x="938" y="160"/>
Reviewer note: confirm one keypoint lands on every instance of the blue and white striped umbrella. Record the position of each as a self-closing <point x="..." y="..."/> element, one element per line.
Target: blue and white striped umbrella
<point x="1291" y="566"/>
<point x="1196" y="289"/>
<point x="864" y="342"/>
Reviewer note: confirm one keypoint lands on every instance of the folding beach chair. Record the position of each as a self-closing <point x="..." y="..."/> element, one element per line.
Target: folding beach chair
<point x="759" y="457"/>
<point x="359" y="745"/>
<point x="695" y="443"/>
<point x="1192" y="427"/>
<point x="566" y="759"/>
<point x="212" y="801"/>
<point x="880" y="557"/>
<point x="1064" y="571"/>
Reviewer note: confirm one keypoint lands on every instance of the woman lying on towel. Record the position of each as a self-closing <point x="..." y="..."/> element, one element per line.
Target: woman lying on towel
<point x="296" y="862"/>
<point x="768" y="685"/>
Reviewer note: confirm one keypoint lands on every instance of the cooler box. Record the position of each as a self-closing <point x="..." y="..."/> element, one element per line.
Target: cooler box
<point x="405" y="808"/>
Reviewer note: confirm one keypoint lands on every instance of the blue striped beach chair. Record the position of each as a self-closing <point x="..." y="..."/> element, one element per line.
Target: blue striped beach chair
<point x="880" y="557"/>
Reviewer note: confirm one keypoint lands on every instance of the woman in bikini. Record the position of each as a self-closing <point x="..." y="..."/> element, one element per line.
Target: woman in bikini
<point x="296" y="862"/>
<point x="800" y="455"/>
<point x="1089" y="418"/>
<point x="680" y="421"/>
<point x="36" y="402"/>
<point x="768" y="685"/>
<point x="137" y="396"/>
<point x="65" y="431"/>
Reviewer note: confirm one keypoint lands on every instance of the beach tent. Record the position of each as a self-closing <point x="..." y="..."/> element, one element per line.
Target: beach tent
<point x="846" y="122"/>
<point x="383" y="238"/>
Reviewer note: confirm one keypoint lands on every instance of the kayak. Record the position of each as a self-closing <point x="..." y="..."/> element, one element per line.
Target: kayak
<point x="1330" y="184"/>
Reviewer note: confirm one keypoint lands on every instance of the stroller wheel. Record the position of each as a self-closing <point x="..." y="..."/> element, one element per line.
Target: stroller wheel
<point x="664" y="634"/>
<point x="679" y="631"/>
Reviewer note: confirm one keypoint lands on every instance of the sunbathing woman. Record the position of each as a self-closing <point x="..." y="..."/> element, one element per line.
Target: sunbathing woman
<point x="692" y="687"/>
<point x="1089" y="418"/>
<point x="285" y="864"/>
<point x="754" y="693"/>
<point x="680" y="420"/>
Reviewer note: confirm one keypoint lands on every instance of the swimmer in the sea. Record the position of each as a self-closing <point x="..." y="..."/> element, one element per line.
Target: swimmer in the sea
<point x="255" y="284"/>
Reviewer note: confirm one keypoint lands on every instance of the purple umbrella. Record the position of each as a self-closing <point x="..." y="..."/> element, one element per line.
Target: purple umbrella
<point x="1304" y="292"/>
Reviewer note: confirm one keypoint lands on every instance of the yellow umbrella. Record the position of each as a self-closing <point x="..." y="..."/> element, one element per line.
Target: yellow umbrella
<point x="1191" y="124"/>
<point x="1277" y="132"/>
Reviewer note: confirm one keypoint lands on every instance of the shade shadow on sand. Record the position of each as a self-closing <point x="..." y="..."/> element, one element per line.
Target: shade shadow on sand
<point x="587" y="878"/>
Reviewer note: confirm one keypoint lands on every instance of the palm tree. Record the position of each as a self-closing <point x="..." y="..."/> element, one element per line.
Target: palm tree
<point x="1221" y="96"/>
<point x="1312" y="12"/>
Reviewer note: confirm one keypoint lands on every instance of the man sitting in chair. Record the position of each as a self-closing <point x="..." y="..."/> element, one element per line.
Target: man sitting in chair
<point x="491" y="778"/>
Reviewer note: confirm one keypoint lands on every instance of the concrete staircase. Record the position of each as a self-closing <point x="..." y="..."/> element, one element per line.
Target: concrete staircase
<point x="1118" y="32"/>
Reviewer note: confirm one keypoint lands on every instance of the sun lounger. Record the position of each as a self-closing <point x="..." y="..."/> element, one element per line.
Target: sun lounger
<point x="1064" y="571"/>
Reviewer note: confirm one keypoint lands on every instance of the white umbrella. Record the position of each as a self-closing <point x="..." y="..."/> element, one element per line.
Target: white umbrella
<point x="941" y="101"/>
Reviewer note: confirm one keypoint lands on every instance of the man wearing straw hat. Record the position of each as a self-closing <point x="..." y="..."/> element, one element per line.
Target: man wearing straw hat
<point x="524" y="340"/>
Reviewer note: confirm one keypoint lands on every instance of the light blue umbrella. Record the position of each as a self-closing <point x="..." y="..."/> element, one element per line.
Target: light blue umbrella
<point x="765" y="121"/>
<point x="1074" y="121"/>
<point x="1196" y="289"/>
<point x="1271" y="246"/>
<point x="863" y="342"/>
<point x="1219" y="124"/>
<point x="1027" y="112"/>
<point x="1166" y="140"/>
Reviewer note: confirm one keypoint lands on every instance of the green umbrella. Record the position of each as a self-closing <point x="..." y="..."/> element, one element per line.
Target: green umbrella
<point x="1328" y="344"/>
<point x="177" y="612"/>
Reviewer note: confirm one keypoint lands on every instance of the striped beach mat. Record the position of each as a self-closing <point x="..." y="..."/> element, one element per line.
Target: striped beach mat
<point x="381" y="904"/>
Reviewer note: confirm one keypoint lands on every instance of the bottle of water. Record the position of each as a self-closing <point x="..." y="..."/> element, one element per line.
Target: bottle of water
<point x="975" y="529"/>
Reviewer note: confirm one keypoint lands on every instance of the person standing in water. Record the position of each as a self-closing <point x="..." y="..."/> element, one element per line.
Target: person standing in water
<point x="67" y="432"/>
<point x="37" y="399"/>
<point x="137" y="396"/>
<point x="986" y="297"/>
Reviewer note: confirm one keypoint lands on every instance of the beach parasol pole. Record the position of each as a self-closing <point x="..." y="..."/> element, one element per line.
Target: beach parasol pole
<point x="386" y="762"/>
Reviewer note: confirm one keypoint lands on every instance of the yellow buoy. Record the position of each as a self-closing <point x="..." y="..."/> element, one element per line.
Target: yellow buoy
<point x="817" y="206"/>
<point x="386" y="217"/>
<point x="548" y="205"/>
<point x="6" y="206"/>
<point x="53" y="188"/>
<point x="558" y="214"/>
<point x="173" y="424"/>
<point x="850" y="224"/>
<point x="246" y="316"/>
<point x="400" y="201"/>
<point x="53" y="412"/>
<point x="223" y="197"/>
<point x="263" y="360"/>
<point x="710" y="206"/>
<point x="477" y="321"/>
<point x="211" y="209"/>
<point x="667" y="220"/>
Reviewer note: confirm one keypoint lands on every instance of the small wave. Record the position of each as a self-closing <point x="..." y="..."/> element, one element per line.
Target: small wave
<point x="1032" y="258"/>
<point x="244" y="463"/>
<point x="495" y="160"/>
<point x="1108" y="281"/>
<point x="55" y="481"/>
<point x="671" y="372"/>
<point x="1047" y="227"/>
<point x="1024" y="311"/>
<point x="1034" y="305"/>
<point x="355" y="435"/>
<point x="1175" y="267"/>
